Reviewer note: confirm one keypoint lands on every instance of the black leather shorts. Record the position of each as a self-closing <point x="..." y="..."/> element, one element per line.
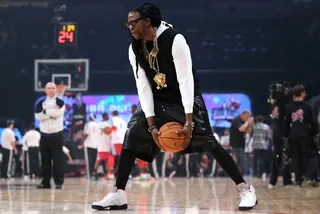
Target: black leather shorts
<point x="139" y="140"/>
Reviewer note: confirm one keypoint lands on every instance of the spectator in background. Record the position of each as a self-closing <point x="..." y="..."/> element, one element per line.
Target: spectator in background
<point x="25" y="161"/>
<point x="239" y="126"/>
<point x="261" y="136"/>
<point x="225" y="140"/>
<point x="119" y="128"/>
<point x="104" y="146"/>
<point x="8" y="149"/>
<point x="31" y="140"/>
<point x="277" y="147"/>
<point x="248" y="158"/>
<point x="17" y="170"/>
<point x="301" y="128"/>
<point x="90" y="142"/>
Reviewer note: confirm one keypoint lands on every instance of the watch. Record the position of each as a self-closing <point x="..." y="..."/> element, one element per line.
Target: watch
<point x="152" y="127"/>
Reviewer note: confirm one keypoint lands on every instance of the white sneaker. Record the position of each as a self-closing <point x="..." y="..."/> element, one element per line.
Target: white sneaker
<point x="110" y="176"/>
<point x="115" y="200"/>
<point x="264" y="176"/>
<point x="248" y="199"/>
<point x="270" y="186"/>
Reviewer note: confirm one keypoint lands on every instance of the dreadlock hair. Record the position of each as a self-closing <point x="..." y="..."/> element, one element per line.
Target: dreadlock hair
<point x="152" y="12"/>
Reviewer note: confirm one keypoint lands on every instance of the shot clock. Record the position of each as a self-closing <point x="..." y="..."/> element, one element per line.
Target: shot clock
<point x="66" y="33"/>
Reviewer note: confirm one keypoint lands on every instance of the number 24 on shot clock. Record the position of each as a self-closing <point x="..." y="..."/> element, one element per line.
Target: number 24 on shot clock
<point x="66" y="33"/>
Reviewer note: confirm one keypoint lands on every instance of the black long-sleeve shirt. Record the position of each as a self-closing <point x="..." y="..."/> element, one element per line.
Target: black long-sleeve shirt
<point x="298" y="120"/>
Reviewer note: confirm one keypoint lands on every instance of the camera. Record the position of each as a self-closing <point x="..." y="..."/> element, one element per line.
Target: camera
<point x="280" y="95"/>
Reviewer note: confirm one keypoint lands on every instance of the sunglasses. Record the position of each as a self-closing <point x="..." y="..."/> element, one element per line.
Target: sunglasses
<point x="133" y="22"/>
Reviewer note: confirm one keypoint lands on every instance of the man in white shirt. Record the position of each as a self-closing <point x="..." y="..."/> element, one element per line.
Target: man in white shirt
<point x="225" y="140"/>
<point x="104" y="146"/>
<point x="50" y="112"/>
<point x="25" y="161"/>
<point x="168" y="91"/>
<point x="8" y="148"/>
<point x="119" y="128"/>
<point x="90" y="141"/>
<point x="31" y="140"/>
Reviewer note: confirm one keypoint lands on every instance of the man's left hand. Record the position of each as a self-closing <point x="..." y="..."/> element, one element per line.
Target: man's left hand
<point x="188" y="133"/>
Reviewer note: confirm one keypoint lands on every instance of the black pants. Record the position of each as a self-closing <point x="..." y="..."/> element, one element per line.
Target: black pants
<point x="240" y="155"/>
<point x="90" y="155"/>
<point x="127" y="158"/>
<point x="286" y="174"/>
<point x="34" y="161"/>
<point x="7" y="156"/>
<point x="116" y="164"/>
<point x="260" y="162"/>
<point x="51" y="152"/>
<point x="303" y="149"/>
<point x="138" y="138"/>
<point x="26" y="163"/>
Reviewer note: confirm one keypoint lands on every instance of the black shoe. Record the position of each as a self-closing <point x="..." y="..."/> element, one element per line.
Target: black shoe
<point x="41" y="186"/>
<point x="58" y="186"/>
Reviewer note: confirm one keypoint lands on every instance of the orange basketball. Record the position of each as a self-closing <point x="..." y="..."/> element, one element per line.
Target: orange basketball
<point x="168" y="139"/>
<point x="107" y="130"/>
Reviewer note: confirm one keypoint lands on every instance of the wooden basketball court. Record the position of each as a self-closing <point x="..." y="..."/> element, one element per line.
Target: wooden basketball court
<point x="180" y="195"/>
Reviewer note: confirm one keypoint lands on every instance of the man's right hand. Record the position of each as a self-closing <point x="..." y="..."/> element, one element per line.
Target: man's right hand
<point x="155" y="133"/>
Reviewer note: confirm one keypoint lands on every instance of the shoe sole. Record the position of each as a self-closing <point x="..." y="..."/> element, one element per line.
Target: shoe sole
<point x="248" y="208"/>
<point x="122" y="207"/>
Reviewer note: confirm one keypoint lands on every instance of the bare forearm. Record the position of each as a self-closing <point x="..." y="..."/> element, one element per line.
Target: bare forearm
<point x="244" y="127"/>
<point x="249" y="128"/>
<point x="189" y="117"/>
<point x="151" y="121"/>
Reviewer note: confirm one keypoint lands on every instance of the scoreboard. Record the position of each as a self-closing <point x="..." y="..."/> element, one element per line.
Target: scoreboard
<point x="66" y="33"/>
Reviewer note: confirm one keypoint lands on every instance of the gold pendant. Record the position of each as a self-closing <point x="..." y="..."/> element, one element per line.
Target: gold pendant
<point x="160" y="79"/>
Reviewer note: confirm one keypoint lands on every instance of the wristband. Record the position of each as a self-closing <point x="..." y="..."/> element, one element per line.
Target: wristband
<point x="150" y="129"/>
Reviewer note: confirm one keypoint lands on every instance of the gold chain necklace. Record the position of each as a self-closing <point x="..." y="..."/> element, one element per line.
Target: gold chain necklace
<point x="151" y="57"/>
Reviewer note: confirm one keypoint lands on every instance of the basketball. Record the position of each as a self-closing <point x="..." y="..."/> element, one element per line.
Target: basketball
<point x="168" y="139"/>
<point x="107" y="130"/>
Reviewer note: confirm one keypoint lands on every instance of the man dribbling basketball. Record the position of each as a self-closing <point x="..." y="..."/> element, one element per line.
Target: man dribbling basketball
<point x="169" y="92"/>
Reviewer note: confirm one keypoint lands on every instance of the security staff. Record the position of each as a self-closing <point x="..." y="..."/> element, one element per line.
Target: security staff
<point x="50" y="112"/>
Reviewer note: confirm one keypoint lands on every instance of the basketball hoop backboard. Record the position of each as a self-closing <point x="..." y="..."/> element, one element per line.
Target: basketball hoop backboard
<point x="74" y="73"/>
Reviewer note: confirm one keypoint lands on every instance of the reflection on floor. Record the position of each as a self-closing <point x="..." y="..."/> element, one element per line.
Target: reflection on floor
<point x="180" y="195"/>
